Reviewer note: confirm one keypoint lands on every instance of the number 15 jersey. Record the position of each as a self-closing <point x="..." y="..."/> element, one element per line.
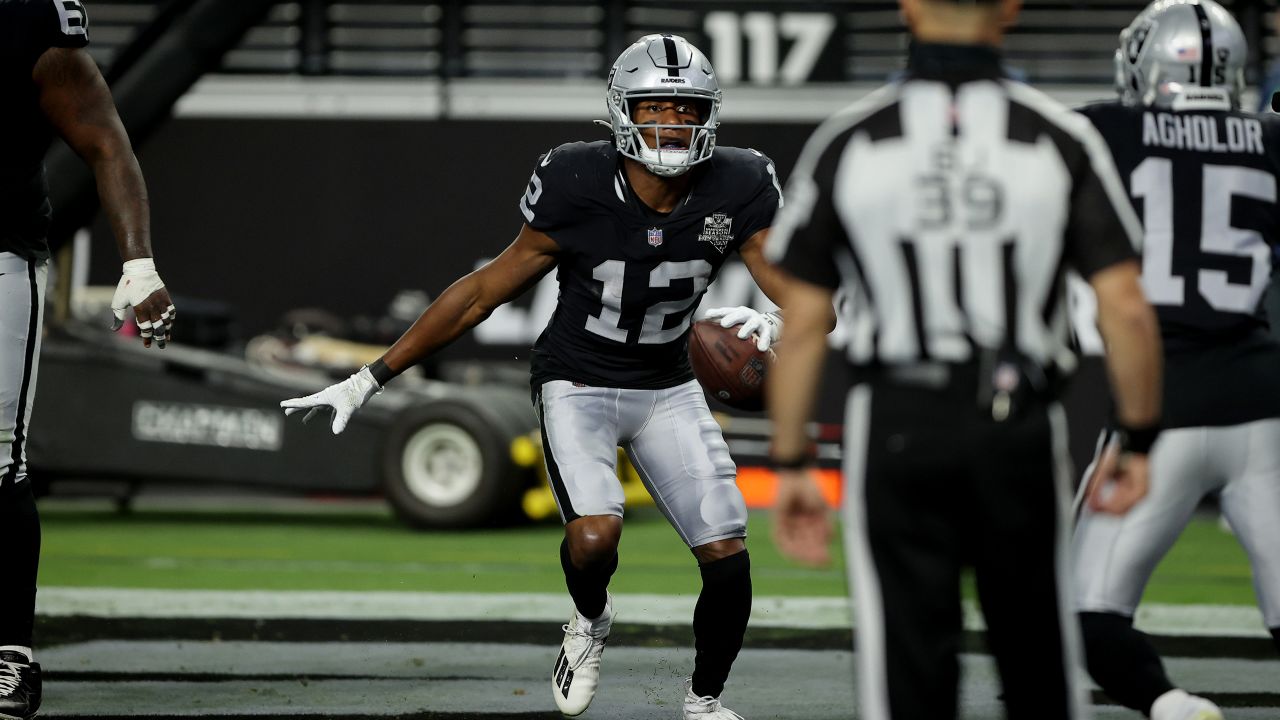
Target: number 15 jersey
<point x="631" y="278"/>
<point x="1205" y="184"/>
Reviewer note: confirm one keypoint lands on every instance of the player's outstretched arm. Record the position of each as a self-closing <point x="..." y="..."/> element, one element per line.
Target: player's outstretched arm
<point x="1132" y="335"/>
<point x="75" y="99"/>
<point x="470" y="300"/>
<point x="801" y="523"/>
<point x="465" y="304"/>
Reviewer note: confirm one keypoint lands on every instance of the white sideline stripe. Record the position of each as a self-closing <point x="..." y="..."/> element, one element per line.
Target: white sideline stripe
<point x="775" y="612"/>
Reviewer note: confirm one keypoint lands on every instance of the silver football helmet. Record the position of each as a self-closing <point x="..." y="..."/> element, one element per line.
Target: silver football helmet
<point x="1181" y="50"/>
<point x="663" y="66"/>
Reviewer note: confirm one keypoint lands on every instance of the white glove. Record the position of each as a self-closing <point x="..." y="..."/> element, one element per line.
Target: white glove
<point x="345" y="399"/>
<point x="138" y="281"/>
<point x="767" y="327"/>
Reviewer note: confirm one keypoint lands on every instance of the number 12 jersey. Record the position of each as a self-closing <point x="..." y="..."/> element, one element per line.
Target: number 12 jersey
<point x="631" y="278"/>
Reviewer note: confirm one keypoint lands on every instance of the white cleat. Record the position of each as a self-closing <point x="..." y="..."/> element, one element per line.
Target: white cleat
<point x="1181" y="705"/>
<point x="705" y="708"/>
<point x="577" y="670"/>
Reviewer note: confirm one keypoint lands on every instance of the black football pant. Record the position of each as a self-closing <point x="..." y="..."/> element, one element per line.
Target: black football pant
<point x="933" y="485"/>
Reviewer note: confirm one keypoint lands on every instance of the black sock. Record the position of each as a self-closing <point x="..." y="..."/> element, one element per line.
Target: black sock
<point x="21" y="527"/>
<point x="720" y="621"/>
<point x="587" y="587"/>
<point x="1122" y="661"/>
<point x="1275" y="635"/>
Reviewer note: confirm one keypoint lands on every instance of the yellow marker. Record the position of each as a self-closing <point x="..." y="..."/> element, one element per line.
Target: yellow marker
<point x="524" y="452"/>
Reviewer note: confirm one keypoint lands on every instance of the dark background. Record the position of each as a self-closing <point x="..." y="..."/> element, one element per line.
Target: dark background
<point x="272" y="215"/>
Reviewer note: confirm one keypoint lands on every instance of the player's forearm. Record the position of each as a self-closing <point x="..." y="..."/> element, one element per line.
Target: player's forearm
<point x="793" y="381"/>
<point x="458" y="309"/>
<point x="123" y="193"/>
<point x="1134" y="364"/>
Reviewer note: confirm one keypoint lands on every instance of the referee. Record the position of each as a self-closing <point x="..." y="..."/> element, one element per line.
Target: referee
<point x="947" y="208"/>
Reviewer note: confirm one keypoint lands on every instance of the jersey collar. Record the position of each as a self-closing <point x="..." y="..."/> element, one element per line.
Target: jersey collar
<point x="624" y="192"/>
<point x="954" y="63"/>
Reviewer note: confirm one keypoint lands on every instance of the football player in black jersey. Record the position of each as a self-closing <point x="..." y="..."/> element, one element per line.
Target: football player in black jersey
<point x="49" y="84"/>
<point x="636" y="228"/>
<point x="1203" y="175"/>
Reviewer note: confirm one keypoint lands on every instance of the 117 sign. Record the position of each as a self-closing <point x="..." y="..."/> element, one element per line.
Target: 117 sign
<point x="762" y="35"/>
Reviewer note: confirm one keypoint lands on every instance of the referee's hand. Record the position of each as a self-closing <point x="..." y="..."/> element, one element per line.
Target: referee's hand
<point x="1120" y="481"/>
<point x="801" y="519"/>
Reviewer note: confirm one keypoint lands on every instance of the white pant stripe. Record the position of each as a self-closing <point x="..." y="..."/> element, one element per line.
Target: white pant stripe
<point x="21" y="297"/>
<point x="1071" y="642"/>
<point x="872" y="660"/>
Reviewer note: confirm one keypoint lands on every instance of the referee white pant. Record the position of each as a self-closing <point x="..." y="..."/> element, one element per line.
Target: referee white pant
<point x="932" y="486"/>
<point x="22" y="288"/>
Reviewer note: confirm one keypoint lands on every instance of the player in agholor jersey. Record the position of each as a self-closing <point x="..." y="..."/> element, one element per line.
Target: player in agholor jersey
<point x="636" y="228"/>
<point x="1203" y="176"/>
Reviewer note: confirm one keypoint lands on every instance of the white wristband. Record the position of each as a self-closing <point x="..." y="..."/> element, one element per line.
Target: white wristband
<point x="140" y="266"/>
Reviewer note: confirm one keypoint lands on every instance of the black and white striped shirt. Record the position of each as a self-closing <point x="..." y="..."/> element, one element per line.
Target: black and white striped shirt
<point x="948" y="207"/>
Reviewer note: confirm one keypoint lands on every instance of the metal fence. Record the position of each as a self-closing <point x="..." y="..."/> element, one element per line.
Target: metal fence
<point x="778" y="43"/>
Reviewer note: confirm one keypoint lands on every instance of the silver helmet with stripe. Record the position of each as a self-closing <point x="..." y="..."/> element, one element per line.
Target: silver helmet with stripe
<point x="1182" y="51"/>
<point x="667" y="67"/>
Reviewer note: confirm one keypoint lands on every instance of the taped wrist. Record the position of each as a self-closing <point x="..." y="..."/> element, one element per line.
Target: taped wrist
<point x="381" y="373"/>
<point x="140" y="266"/>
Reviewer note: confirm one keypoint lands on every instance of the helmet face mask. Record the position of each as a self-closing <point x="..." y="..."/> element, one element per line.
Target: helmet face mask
<point x="1162" y="58"/>
<point x="669" y="69"/>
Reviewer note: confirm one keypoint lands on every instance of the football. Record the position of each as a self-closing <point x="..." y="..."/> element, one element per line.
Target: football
<point x="730" y="370"/>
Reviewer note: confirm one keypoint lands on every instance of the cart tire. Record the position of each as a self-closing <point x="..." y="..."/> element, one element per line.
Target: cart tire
<point x="447" y="465"/>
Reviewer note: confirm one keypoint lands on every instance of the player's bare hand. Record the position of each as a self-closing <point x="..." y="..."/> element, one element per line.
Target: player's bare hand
<point x="1119" y="482"/>
<point x="342" y="399"/>
<point x="801" y="519"/>
<point x="141" y="288"/>
<point x="766" y="327"/>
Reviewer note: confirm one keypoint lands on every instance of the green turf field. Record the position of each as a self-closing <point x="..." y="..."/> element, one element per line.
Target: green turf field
<point x="368" y="550"/>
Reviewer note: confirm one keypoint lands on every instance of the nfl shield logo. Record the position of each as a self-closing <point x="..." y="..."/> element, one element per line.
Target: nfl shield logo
<point x="655" y="236"/>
